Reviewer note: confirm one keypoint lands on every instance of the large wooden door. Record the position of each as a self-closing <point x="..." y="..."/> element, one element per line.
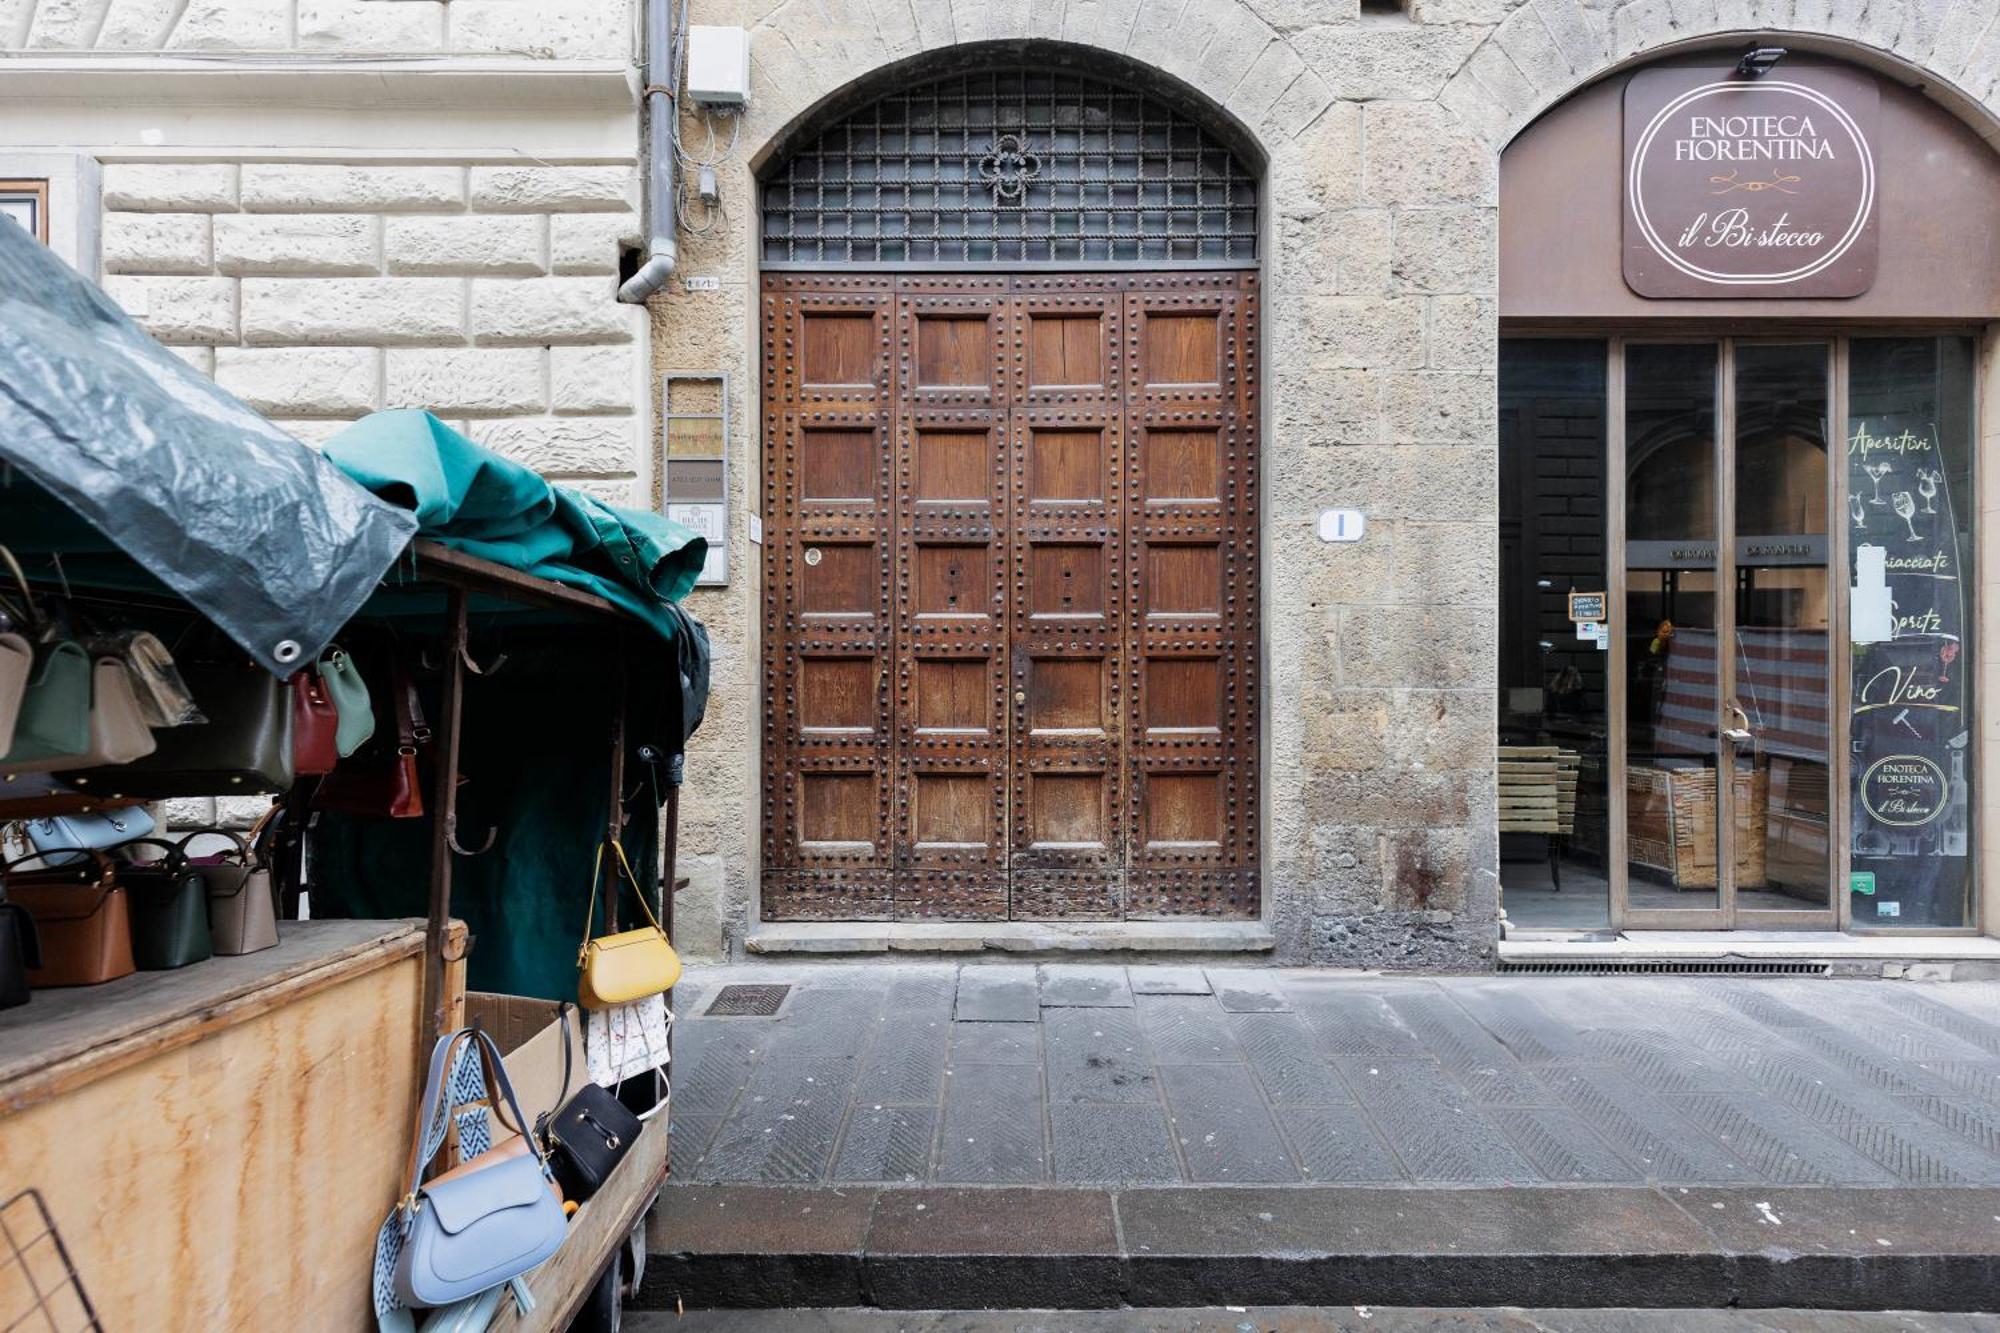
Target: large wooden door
<point x="1010" y="597"/>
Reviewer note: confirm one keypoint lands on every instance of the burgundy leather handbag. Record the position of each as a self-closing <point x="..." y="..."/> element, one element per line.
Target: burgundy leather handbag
<point x="383" y="779"/>
<point x="315" y="724"/>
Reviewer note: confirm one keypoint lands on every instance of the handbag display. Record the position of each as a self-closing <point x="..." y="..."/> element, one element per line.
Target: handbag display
<point x="118" y="732"/>
<point x="244" y="747"/>
<point x="17" y="661"/>
<point x="628" y="1041"/>
<point x="164" y="697"/>
<point x="83" y="917"/>
<point x="315" y="726"/>
<point x="349" y="694"/>
<point x="63" y="839"/>
<point x="384" y="780"/>
<point x="20" y="950"/>
<point x="169" y="906"/>
<point x="242" y="910"/>
<point x="489" y="1222"/>
<point x="587" y="1135"/>
<point x="51" y="705"/>
<point x="632" y="964"/>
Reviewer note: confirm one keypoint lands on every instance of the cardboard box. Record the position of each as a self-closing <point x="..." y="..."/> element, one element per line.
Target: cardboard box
<point x="530" y="1038"/>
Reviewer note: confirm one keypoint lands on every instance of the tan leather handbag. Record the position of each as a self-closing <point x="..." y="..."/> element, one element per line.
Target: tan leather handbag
<point x="17" y="660"/>
<point x="118" y="730"/>
<point x="618" y="969"/>
<point x="242" y="913"/>
<point x="83" y="918"/>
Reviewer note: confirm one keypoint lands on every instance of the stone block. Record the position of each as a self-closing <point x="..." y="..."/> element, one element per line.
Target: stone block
<point x="1347" y="252"/>
<point x="179" y="310"/>
<point x="1526" y="39"/>
<point x="1345" y="865"/>
<point x="233" y="25"/>
<point x="1447" y="250"/>
<point x="1337" y="407"/>
<point x="563" y="445"/>
<point x="201" y="358"/>
<point x="1276" y="68"/>
<point x="1417" y="646"/>
<point x="591" y="379"/>
<point x="136" y="25"/>
<point x="1438" y="407"/>
<point x="297" y="243"/>
<point x="491" y="246"/>
<point x="315" y="432"/>
<point x="1443" y="564"/>
<point x="553" y="189"/>
<point x="1419" y="153"/>
<point x="383" y="311"/>
<point x="1642" y="25"/>
<point x="477" y="380"/>
<point x="549" y="310"/>
<point x="1443" y="729"/>
<point x="357" y="26"/>
<point x="1464" y="333"/>
<point x="170" y="187"/>
<point x="1408" y="61"/>
<point x="63" y="25"/>
<point x="302" y="381"/>
<point x="589" y="242"/>
<point x="1346" y="729"/>
<point x="1425" y="870"/>
<point x="1581" y="31"/>
<point x="155" y="242"/>
<point x="1445" y="482"/>
<point x="320" y="187"/>
<point x="572" y="30"/>
<point x="1358" y="332"/>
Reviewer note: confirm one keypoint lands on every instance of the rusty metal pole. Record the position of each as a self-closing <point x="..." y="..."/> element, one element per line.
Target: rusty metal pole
<point x="444" y="820"/>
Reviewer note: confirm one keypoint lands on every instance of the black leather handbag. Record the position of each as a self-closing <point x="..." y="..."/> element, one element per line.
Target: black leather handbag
<point x="169" y="905"/>
<point x="588" y="1135"/>
<point x="20" y="949"/>
<point x="244" y="748"/>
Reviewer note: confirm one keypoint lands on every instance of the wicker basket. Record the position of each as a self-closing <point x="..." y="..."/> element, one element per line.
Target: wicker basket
<point x="1670" y="824"/>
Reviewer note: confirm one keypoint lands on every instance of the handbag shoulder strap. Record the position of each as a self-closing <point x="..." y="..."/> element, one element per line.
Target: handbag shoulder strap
<point x="431" y="1130"/>
<point x="623" y="869"/>
<point x="106" y="872"/>
<point x="31" y="615"/>
<point x="242" y="847"/>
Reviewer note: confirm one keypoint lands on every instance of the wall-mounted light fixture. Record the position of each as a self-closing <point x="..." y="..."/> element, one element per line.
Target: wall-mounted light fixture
<point x="1759" y="61"/>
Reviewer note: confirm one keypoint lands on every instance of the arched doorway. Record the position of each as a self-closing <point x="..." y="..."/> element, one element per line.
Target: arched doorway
<point x="1010" y="416"/>
<point x="1743" y="311"/>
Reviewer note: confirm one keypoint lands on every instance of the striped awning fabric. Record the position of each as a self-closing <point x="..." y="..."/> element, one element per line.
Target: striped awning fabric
<point x="1781" y="681"/>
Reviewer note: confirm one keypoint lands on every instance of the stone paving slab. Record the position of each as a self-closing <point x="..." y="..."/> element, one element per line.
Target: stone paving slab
<point x="885" y="1075"/>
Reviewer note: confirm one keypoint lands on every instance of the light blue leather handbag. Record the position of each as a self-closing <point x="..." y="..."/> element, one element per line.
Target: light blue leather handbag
<point x="64" y="839"/>
<point x="490" y="1221"/>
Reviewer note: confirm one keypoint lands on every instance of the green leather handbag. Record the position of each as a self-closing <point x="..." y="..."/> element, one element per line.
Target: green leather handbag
<point x="54" y="720"/>
<point x="350" y="700"/>
<point x="169" y="907"/>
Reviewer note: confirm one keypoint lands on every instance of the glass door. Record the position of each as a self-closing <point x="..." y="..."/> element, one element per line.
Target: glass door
<point x="1721" y="634"/>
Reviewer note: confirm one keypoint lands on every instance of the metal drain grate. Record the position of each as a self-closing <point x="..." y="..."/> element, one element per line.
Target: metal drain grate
<point x="1685" y="968"/>
<point x="747" y="1001"/>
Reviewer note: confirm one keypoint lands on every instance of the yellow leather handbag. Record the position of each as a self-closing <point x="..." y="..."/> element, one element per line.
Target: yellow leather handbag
<point x="618" y="969"/>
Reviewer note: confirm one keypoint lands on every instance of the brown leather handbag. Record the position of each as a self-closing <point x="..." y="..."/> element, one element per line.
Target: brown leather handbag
<point x="383" y="779"/>
<point x="83" y="917"/>
<point x="315" y="726"/>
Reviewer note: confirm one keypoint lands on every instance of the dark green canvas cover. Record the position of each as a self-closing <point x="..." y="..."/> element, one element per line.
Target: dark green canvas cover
<point x="146" y="455"/>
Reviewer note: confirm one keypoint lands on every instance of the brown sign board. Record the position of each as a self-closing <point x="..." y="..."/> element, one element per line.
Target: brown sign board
<point x="1750" y="187"/>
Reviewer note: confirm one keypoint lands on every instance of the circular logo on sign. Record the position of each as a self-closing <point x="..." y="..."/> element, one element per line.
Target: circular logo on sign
<point x="1904" y="790"/>
<point x="1739" y="183"/>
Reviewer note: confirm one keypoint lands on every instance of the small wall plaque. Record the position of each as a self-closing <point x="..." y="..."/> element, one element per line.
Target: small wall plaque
<point x="1585" y="606"/>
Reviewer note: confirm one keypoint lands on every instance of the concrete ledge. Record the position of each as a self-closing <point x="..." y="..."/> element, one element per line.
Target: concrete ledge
<point x="1010" y="937"/>
<point x="1768" y="1246"/>
<point x="418" y="83"/>
<point x="1917" y="958"/>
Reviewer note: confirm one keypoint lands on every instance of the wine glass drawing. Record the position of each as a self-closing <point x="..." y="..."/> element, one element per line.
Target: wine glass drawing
<point x="1927" y="486"/>
<point x="1905" y="505"/>
<point x="1877" y="471"/>
<point x="1859" y="510"/>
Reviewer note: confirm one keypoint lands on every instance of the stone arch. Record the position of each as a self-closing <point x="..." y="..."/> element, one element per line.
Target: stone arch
<point x="1543" y="52"/>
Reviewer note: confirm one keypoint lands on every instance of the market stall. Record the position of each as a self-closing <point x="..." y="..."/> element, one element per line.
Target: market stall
<point x="206" y="1114"/>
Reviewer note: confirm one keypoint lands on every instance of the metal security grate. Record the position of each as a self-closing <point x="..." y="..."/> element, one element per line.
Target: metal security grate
<point x="39" y="1280"/>
<point x="747" y="1001"/>
<point x="1666" y="968"/>
<point x="1012" y="166"/>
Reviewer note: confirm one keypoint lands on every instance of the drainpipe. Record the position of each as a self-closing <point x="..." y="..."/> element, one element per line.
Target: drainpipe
<point x="662" y="68"/>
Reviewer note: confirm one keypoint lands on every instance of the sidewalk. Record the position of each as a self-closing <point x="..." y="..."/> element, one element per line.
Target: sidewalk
<point x="1221" y="1136"/>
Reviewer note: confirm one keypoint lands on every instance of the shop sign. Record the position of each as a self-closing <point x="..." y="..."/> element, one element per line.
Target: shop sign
<point x="1746" y="187"/>
<point x="1585" y="606"/>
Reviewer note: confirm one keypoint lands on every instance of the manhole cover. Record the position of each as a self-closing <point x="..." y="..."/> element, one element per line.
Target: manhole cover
<point x="747" y="1001"/>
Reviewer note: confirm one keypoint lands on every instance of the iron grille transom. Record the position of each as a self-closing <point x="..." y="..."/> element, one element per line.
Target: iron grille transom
<point x="1016" y="166"/>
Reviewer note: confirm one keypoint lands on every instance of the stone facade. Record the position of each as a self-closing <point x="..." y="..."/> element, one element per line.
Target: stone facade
<point x="1382" y="136"/>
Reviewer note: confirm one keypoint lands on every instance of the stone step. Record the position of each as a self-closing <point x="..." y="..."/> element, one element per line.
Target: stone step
<point x="1599" y="1247"/>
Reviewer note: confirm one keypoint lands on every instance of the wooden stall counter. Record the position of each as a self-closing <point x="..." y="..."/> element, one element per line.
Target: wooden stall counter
<point x="217" y="1145"/>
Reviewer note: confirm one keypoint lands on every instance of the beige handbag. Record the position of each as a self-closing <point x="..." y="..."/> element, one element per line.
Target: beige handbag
<point x="17" y="659"/>
<point x="242" y="913"/>
<point x="118" y="730"/>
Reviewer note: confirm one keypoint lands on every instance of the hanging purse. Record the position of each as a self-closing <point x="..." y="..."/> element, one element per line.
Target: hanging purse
<point x="628" y="1041"/>
<point x="63" y="839"/>
<point x="587" y="1135"/>
<point x="242" y="911"/>
<point x="17" y="662"/>
<point x="315" y="724"/>
<point x="52" y="713"/>
<point x="164" y="697"/>
<point x="617" y="969"/>
<point x="349" y="693"/>
<point x="244" y="747"/>
<point x="83" y="918"/>
<point x="384" y="781"/>
<point x="492" y="1220"/>
<point x="118" y="733"/>
<point x="20" y="950"/>
<point x="169" y="910"/>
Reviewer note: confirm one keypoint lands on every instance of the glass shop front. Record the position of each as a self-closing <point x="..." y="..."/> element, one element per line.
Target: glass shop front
<point x="1744" y="334"/>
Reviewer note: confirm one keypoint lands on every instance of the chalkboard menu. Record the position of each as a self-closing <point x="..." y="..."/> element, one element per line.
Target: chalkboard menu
<point x="1910" y="812"/>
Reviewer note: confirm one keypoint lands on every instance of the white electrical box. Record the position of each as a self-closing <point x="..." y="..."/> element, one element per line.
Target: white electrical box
<point x="718" y="65"/>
